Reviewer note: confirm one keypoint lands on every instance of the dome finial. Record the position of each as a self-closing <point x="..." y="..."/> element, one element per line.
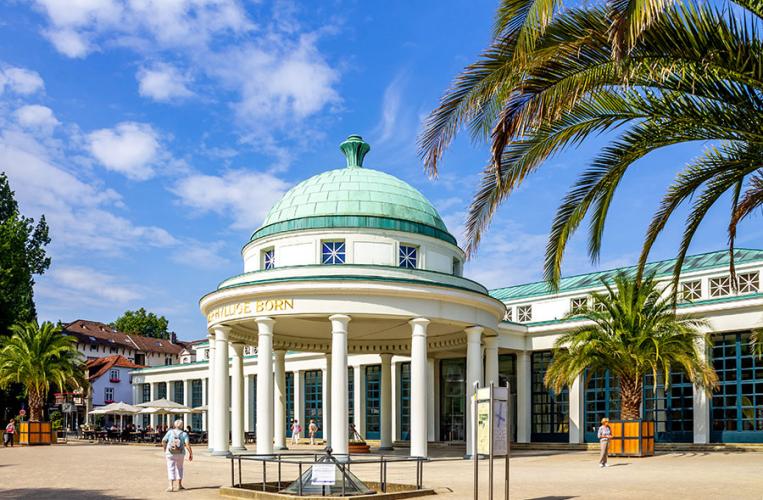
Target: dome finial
<point x="354" y="149"/>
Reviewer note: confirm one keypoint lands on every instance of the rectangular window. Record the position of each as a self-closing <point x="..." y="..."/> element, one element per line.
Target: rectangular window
<point x="206" y="353"/>
<point x="408" y="256"/>
<point x="178" y="392"/>
<point x="601" y="399"/>
<point x="93" y="347"/>
<point x="114" y="376"/>
<point x="289" y="379"/>
<point x="671" y="408"/>
<point x="691" y="290"/>
<point x="749" y="282"/>
<point x="161" y="390"/>
<point x="146" y="389"/>
<point x="373" y="402"/>
<point x="108" y="395"/>
<point x="578" y="305"/>
<point x="453" y="399"/>
<point x="550" y="411"/>
<point x="720" y="287"/>
<point x="351" y="394"/>
<point x="140" y="358"/>
<point x="332" y="252"/>
<point x="525" y="313"/>
<point x="268" y="258"/>
<point x="457" y="267"/>
<point x="314" y="400"/>
<point x="197" y="419"/>
<point x="405" y="401"/>
<point x="507" y="373"/>
<point x="167" y="361"/>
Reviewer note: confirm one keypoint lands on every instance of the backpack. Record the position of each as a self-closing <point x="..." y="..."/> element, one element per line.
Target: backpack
<point x="174" y="445"/>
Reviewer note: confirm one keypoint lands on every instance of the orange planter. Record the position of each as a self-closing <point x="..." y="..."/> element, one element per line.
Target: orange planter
<point x="631" y="438"/>
<point x="34" y="433"/>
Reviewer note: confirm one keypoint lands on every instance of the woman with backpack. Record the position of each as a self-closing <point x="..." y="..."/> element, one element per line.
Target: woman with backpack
<point x="175" y="443"/>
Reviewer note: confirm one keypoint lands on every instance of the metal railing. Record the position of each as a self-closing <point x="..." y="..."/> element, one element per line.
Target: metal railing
<point x="343" y="461"/>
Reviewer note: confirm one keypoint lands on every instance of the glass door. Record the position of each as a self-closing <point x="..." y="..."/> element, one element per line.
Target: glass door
<point x="313" y="401"/>
<point x="373" y="402"/>
<point x="453" y="399"/>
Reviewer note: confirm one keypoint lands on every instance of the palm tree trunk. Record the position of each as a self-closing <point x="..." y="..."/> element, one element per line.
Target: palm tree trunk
<point x="630" y="397"/>
<point x="35" y="404"/>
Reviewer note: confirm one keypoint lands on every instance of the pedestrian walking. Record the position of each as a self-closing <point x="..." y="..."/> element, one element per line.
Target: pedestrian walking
<point x="10" y="431"/>
<point x="312" y="429"/>
<point x="295" y="430"/>
<point x="176" y="443"/>
<point x="604" y="434"/>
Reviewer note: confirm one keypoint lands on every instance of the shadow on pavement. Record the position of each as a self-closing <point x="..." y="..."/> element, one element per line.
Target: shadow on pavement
<point x="551" y="498"/>
<point x="59" y="493"/>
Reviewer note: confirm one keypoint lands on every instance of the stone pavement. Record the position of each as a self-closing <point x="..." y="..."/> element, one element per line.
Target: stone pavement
<point x="100" y="472"/>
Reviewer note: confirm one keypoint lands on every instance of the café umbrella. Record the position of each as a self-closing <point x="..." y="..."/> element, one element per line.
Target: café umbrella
<point x="163" y="407"/>
<point x="121" y="408"/>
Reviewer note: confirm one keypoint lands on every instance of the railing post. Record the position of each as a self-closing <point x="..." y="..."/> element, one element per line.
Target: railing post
<point x="299" y="484"/>
<point x="264" y="475"/>
<point x="232" y="473"/>
<point x="239" y="472"/>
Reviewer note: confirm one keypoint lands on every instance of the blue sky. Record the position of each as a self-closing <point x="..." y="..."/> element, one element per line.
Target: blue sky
<point x="154" y="135"/>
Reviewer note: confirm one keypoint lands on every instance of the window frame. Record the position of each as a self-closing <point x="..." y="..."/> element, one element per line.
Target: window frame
<point x="748" y="282"/>
<point x="333" y="255"/>
<point x="687" y="286"/>
<point x="578" y="305"/>
<point x="525" y="310"/>
<point x="268" y="258"/>
<point x="402" y="258"/>
<point x="719" y="286"/>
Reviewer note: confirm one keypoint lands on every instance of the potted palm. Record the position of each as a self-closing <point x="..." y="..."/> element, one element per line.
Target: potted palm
<point x="632" y="330"/>
<point x="39" y="357"/>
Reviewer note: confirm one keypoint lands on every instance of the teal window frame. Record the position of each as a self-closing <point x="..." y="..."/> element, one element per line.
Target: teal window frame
<point x="550" y="412"/>
<point x="313" y="401"/>
<point x="161" y="391"/>
<point x="333" y="252"/>
<point x="289" y="381"/>
<point x="373" y="401"/>
<point x="600" y="399"/>
<point x="197" y="389"/>
<point x="351" y="395"/>
<point x="405" y="401"/>
<point x="178" y="392"/>
<point x="453" y="399"/>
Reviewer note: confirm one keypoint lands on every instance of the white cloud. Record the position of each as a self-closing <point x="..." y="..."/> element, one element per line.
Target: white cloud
<point x="244" y="195"/>
<point x="36" y="116"/>
<point x="78" y="213"/>
<point x="162" y="82"/>
<point x="201" y="255"/>
<point x="129" y="148"/>
<point x="389" y="124"/>
<point x="70" y="43"/>
<point x="20" y="80"/>
<point x="78" y="285"/>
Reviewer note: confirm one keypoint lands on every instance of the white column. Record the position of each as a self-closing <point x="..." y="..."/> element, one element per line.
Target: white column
<point x="221" y="401"/>
<point x="279" y="402"/>
<point x="265" y="385"/>
<point x="473" y="376"/>
<point x="298" y="408"/>
<point x="577" y="423"/>
<point x="205" y="402"/>
<point x="152" y="392"/>
<point x="431" y="429"/>
<point x="339" y="425"/>
<point x="701" y="408"/>
<point x="524" y="397"/>
<point x="386" y="401"/>
<point x="187" y="400"/>
<point x="491" y="361"/>
<point x="237" y="393"/>
<point x="326" y="400"/>
<point x="419" y="387"/>
<point x="211" y="394"/>
<point x="396" y="393"/>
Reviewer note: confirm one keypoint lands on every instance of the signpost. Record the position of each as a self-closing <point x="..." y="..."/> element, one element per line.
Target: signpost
<point x="493" y="431"/>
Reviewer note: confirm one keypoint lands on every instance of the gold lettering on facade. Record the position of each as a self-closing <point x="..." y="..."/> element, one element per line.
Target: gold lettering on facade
<point x="244" y="308"/>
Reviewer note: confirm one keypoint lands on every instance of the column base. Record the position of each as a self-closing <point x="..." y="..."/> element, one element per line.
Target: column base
<point x="280" y="448"/>
<point x="237" y="448"/>
<point x="220" y="453"/>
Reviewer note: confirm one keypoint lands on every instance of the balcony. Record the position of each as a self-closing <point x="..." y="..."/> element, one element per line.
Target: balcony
<point x="114" y="380"/>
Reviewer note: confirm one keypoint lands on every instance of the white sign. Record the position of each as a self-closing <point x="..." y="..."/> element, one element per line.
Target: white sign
<point x="500" y="421"/>
<point x="67" y="407"/>
<point x="323" y="475"/>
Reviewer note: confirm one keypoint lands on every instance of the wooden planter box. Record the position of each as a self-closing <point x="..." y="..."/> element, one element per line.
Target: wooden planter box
<point x="631" y="438"/>
<point x="35" y="433"/>
<point x="358" y="447"/>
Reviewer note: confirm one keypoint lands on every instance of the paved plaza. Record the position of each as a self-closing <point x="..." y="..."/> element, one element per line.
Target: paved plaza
<point x="80" y="471"/>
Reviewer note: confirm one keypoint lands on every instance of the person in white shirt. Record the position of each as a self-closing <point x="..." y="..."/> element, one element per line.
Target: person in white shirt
<point x="604" y="434"/>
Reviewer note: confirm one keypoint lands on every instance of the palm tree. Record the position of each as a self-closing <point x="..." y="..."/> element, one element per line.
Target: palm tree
<point x="659" y="71"/>
<point x="40" y="358"/>
<point x="632" y="330"/>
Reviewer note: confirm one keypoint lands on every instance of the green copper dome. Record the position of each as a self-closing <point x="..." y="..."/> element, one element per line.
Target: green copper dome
<point x="354" y="197"/>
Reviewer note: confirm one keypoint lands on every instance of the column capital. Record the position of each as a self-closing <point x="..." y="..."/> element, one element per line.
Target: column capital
<point x="221" y="332"/>
<point x="419" y="327"/>
<point x="473" y="333"/>
<point x="491" y="342"/>
<point x="265" y="325"/>
<point x="279" y="353"/>
<point x="341" y="318"/>
<point x="238" y="348"/>
<point x="419" y="321"/>
<point x="386" y="357"/>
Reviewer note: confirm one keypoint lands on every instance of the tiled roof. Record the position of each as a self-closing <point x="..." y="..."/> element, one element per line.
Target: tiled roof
<point x="661" y="268"/>
<point x="94" y="332"/>
<point x="99" y="366"/>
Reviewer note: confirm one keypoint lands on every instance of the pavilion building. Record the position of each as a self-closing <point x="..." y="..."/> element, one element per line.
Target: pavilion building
<point x="353" y="308"/>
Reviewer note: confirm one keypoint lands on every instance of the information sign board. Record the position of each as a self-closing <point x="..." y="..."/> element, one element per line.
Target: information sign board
<point x="500" y="421"/>
<point x="323" y="475"/>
